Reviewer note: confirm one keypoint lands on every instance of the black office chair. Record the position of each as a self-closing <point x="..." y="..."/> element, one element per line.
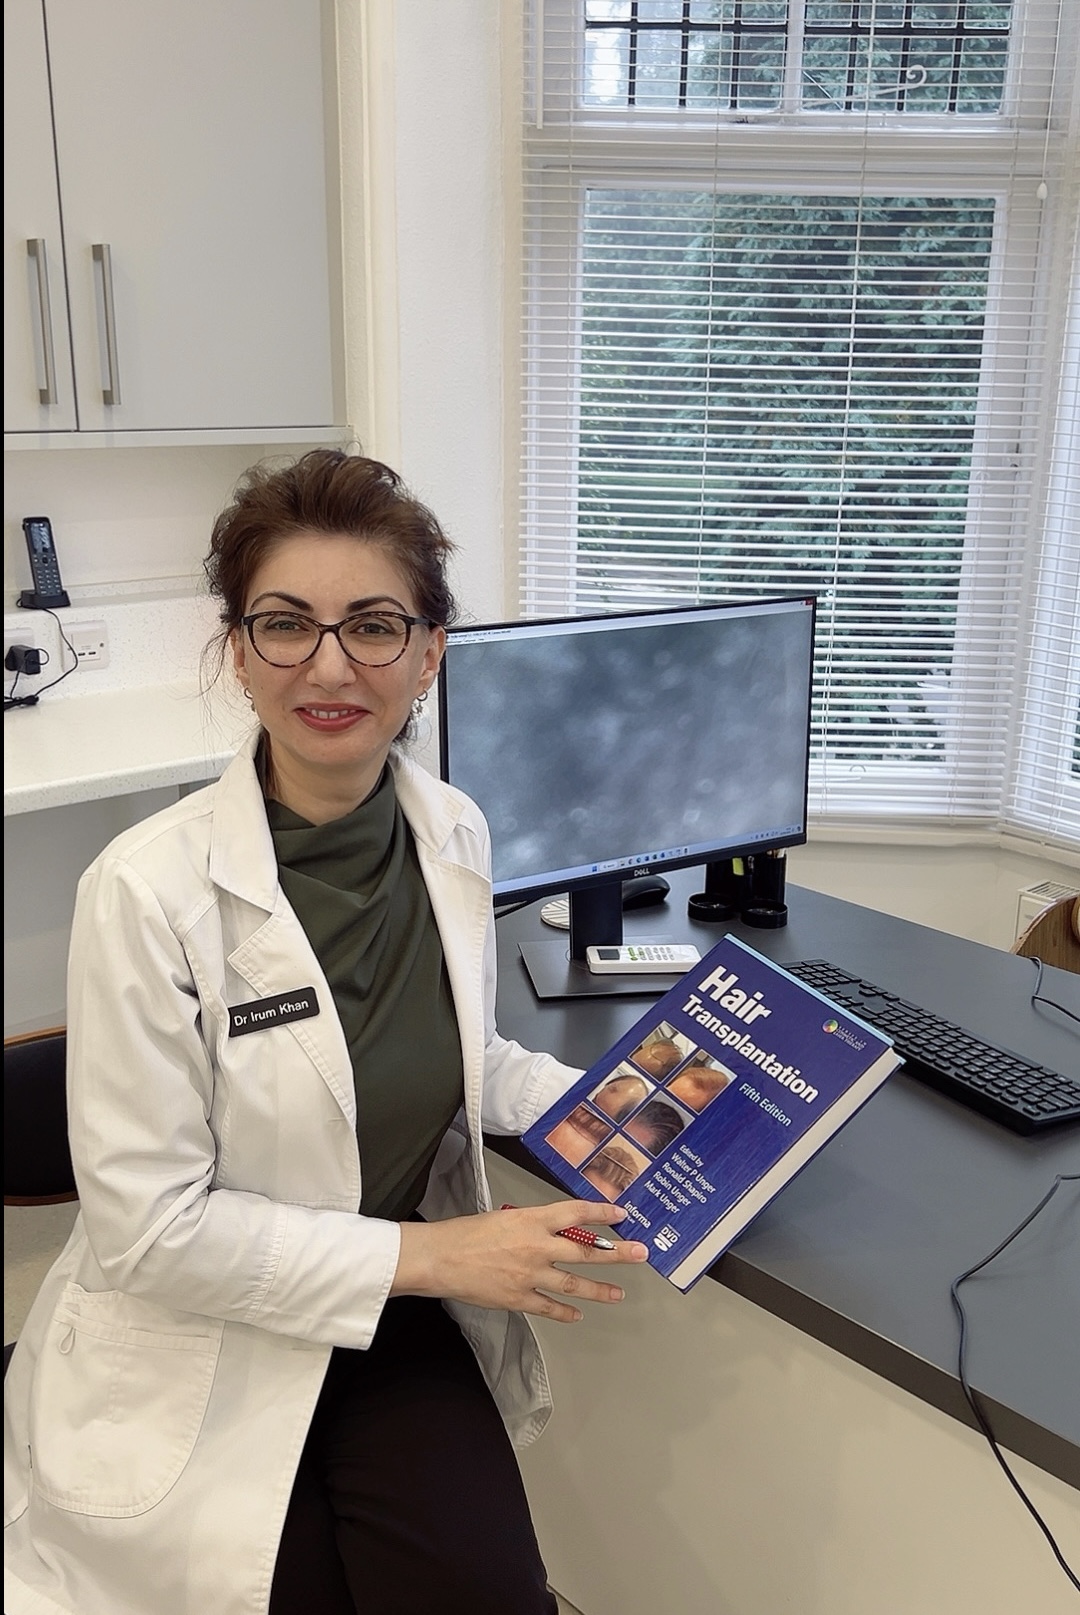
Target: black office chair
<point x="37" y="1160"/>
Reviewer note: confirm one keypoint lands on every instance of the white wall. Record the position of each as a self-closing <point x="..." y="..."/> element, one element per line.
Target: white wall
<point x="969" y="891"/>
<point x="430" y="189"/>
<point x="117" y="514"/>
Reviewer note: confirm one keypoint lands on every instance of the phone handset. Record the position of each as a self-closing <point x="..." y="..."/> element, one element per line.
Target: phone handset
<point x="48" y="592"/>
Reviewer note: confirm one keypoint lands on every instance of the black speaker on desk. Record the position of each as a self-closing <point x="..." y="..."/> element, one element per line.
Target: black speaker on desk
<point x="764" y="905"/>
<point x="750" y="889"/>
<point x="726" y="889"/>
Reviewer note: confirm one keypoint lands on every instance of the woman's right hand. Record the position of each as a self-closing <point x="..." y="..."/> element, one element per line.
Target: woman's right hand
<point x="512" y="1259"/>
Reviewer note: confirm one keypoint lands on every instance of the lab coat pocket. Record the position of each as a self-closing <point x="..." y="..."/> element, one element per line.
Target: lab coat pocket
<point x="120" y="1392"/>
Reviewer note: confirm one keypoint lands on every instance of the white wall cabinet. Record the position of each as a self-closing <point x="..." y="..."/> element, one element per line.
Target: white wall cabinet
<point x="175" y="165"/>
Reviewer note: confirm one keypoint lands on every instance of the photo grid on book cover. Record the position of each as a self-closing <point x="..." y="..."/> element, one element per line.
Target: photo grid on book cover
<point x="637" y="1111"/>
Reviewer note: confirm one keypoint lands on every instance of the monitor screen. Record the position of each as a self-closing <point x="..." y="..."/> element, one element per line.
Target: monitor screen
<point x="603" y="747"/>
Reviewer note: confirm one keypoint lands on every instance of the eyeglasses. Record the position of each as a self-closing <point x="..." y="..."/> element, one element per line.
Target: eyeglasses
<point x="371" y="638"/>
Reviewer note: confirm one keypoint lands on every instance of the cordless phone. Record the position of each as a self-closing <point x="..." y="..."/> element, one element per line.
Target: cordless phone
<point x="48" y="591"/>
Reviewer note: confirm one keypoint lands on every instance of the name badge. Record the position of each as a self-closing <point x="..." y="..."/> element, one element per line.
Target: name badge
<point x="263" y="1013"/>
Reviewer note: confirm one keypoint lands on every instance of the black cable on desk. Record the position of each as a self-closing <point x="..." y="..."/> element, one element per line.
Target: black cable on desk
<point x="980" y="1416"/>
<point x="512" y="908"/>
<point x="1037" y="997"/>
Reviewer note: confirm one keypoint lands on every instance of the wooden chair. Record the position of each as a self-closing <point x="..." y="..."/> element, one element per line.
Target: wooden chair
<point x="1053" y="936"/>
<point x="37" y="1160"/>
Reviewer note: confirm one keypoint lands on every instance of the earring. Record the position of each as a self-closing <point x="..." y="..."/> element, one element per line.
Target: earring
<point x="418" y="703"/>
<point x="248" y="697"/>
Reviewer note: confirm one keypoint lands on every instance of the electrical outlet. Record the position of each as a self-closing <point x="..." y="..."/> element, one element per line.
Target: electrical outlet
<point x="90" y="642"/>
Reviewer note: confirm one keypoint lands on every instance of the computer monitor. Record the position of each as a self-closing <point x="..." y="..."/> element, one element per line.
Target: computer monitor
<point x="600" y="748"/>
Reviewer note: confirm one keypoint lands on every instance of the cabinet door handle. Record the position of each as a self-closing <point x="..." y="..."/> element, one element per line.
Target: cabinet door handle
<point x="35" y="251"/>
<point x="103" y="255"/>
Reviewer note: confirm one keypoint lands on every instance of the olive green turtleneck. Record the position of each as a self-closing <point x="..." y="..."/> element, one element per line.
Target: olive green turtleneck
<point x="358" y="892"/>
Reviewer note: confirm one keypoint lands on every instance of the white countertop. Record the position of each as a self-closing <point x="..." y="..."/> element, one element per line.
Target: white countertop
<point x="116" y="742"/>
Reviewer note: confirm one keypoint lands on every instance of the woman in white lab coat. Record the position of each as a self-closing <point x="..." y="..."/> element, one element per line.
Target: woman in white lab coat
<point x="276" y="1365"/>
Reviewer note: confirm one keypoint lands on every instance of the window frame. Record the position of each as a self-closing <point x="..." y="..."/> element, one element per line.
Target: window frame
<point x="551" y="100"/>
<point x="1003" y="159"/>
<point x="1039" y="767"/>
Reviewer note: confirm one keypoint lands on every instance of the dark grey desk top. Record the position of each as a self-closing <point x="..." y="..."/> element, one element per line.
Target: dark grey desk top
<point x="860" y="1249"/>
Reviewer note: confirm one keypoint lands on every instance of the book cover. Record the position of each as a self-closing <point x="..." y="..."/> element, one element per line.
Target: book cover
<point x="710" y="1104"/>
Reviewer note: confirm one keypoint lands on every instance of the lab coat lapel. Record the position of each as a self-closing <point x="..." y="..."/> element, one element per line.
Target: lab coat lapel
<point x="278" y="959"/>
<point x="242" y="859"/>
<point x="273" y="955"/>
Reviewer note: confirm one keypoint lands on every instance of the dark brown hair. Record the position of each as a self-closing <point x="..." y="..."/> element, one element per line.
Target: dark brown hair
<point x="326" y="491"/>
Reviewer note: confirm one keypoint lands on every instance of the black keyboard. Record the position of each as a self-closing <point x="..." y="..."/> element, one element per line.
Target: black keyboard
<point x="1002" y="1085"/>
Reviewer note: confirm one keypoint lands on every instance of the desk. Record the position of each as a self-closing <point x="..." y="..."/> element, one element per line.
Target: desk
<point x="88" y="747"/>
<point x="851" y="1265"/>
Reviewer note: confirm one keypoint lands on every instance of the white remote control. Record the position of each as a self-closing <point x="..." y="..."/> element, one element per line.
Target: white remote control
<point x="643" y="958"/>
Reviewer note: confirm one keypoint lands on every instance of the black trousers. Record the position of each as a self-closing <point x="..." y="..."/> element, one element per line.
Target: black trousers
<point x="408" y="1499"/>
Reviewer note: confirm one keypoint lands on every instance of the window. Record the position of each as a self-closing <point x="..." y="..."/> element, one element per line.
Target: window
<point x="829" y="54"/>
<point x="797" y="303"/>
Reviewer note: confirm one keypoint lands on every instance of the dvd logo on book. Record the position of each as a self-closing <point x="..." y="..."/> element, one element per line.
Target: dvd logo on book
<point x="843" y="1034"/>
<point x="665" y="1237"/>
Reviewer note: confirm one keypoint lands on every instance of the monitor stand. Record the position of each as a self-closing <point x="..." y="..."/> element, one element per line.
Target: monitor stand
<point x="558" y="969"/>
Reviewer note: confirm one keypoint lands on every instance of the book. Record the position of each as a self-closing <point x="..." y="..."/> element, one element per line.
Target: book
<point x="710" y="1104"/>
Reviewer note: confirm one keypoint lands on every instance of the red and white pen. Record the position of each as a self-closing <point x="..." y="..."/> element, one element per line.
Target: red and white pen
<point x="580" y="1236"/>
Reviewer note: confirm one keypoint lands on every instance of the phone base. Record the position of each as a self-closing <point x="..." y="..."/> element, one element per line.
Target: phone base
<point x="30" y="600"/>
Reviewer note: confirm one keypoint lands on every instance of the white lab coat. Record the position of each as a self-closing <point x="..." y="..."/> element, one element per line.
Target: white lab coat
<point x="164" y="1381"/>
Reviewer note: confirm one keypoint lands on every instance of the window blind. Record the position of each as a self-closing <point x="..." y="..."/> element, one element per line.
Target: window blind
<point x="797" y="317"/>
